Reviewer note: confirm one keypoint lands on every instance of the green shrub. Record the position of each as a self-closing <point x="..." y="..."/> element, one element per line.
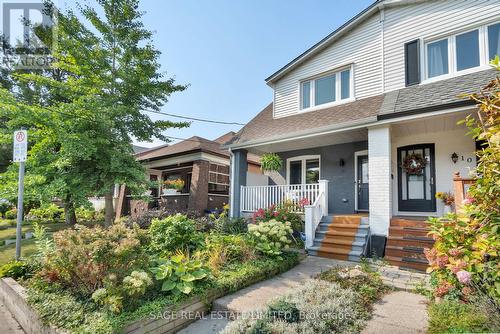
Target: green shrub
<point x="4" y="206"/>
<point x="115" y="294"/>
<point x="89" y="215"/>
<point x="176" y="232"/>
<point x="46" y="213"/>
<point x="14" y="269"/>
<point x="286" y="211"/>
<point x="221" y="250"/>
<point x="11" y="214"/>
<point x="84" y="258"/>
<point x="271" y="162"/>
<point x="271" y="237"/>
<point x="179" y="273"/>
<point x="223" y="224"/>
<point x="455" y="317"/>
<point x="284" y="311"/>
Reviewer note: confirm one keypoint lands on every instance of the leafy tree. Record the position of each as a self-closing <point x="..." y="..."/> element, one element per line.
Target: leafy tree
<point x="82" y="121"/>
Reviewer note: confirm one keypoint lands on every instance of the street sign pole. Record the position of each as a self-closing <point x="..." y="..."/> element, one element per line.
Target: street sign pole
<point x="20" y="199"/>
<point x="20" y="155"/>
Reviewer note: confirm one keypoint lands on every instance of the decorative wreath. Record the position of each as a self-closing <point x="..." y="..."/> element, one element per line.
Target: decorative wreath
<point x="414" y="164"/>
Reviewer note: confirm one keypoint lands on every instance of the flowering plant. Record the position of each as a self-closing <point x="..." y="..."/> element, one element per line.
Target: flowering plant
<point x="271" y="237"/>
<point x="177" y="184"/>
<point x="446" y="197"/>
<point x="284" y="212"/>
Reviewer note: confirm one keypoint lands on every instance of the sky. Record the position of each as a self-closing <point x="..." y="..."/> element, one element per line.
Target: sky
<point x="224" y="50"/>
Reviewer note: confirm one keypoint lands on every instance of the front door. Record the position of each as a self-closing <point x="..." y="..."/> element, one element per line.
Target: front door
<point x="416" y="178"/>
<point x="362" y="182"/>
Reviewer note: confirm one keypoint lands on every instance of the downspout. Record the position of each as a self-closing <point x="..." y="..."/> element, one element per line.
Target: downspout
<point x="231" y="185"/>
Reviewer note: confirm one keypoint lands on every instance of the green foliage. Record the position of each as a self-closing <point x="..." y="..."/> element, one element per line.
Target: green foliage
<point x="84" y="258"/>
<point x="179" y="273"/>
<point x="14" y="269"/>
<point x="284" y="311"/>
<point x="4" y="207"/>
<point x="284" y="212"/>
<point x="467" y="243"/>
<point x="89" y="215"/>
<point x="221" y="250"/>
<point x="114" y="294"/>
<point x="46" y="213"/>
<point x="11" y="214"/>
<point x="271" y="162"/>
<point x="362" y="279"/>
<point x="271" y="237"/>
<point x="172" y="233"/>
<point x="456" y="317"/>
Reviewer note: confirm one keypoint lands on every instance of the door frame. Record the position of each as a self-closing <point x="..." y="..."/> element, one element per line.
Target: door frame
<point x="356" y="155"/>
<point x="432" y="148"/>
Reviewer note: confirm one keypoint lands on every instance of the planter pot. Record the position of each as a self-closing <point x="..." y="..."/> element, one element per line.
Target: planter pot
<point x="170" y="192"/>
<point x="446" y="210"/>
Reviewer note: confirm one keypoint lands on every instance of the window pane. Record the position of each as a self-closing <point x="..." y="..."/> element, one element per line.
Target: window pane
<point x="295" y="172"/>
<point x="494" y="40"/>
<point x="467" y="50"/>
<point x="437" y="58"/>
<point x="345" y="77"/>
<point x="312" y="171"/>
<point x="325" y="90"/>
<point x="306" y="96"/>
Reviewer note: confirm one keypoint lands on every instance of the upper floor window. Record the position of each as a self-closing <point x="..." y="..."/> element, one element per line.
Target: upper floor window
<point x="462" y="51"/>
<point x="329" y="88"/>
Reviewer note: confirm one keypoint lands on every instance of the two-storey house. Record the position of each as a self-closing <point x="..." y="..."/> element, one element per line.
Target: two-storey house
<point x="366" y="124"/>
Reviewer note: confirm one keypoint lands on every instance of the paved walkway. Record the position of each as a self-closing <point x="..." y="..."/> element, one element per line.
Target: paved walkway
<point x="8" y="325"/>
<point x="398" y="312"/>
<point x="256" y="296"/>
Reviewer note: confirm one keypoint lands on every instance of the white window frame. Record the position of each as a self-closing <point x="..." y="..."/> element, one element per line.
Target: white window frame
<point x="452" y="53"/>
<point x="338" y="90"/>
<point x="302" y="159"/>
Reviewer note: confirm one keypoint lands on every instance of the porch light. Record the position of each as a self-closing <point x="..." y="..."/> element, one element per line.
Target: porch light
<point x="341" y="162"/>
<point x="454" y="157"/>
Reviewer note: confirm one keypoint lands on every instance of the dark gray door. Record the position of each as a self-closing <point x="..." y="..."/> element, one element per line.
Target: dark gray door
<point x="416" y="189"/>
<point x="362" y="182"/>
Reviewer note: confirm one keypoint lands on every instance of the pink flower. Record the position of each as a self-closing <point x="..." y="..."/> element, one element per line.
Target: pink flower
<point x="443" y="289"/>
<point x="442" y="261"/>
<point x="464" y="277"/>
<point x="303" y="202"/>
<point x="468" y="200"/>
<point x="459" y="265"/>
<point x="455" y="252"/>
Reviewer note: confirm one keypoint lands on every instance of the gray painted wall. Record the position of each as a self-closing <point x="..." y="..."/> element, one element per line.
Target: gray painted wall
<point x="341" y="185"/>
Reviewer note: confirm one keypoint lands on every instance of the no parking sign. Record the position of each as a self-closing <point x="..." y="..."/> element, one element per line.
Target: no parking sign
<point x="20" y="145"/>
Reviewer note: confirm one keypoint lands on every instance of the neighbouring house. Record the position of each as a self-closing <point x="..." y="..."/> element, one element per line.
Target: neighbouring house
<point x="201" y="166"/>
<point x="366" y="124"/>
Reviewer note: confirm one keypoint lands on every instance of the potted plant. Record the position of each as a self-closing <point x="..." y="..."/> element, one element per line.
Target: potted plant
<point x="448" y="200"/>
<point x="154" y="184"/>
<point x="172" y="187"/>
<point x="271" y="162"/>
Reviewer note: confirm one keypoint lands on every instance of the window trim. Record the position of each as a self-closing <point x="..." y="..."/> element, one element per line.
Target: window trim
<point x="338" y="91"/>
<point x="452" y="53"/>
<point x="302" y="159"/>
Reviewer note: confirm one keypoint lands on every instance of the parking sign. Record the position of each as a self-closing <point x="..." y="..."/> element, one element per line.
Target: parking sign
<point x="20" y="145"/>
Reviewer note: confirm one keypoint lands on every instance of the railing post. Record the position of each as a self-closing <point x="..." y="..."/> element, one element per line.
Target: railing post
<point x="309" y="225"/>
<point x="323" y="187"/>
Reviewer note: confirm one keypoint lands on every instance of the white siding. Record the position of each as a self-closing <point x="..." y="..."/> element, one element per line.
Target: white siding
<point x="360" y="46"/>
<point x="427" y="20"/>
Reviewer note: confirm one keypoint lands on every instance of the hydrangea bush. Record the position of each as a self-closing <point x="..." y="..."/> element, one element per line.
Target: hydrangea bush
<point x="271" y="237"/>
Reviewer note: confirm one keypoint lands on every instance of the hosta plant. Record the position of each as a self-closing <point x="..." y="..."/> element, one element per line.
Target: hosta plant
<point x="271" y="237"/>
<point x="180" y="273"/>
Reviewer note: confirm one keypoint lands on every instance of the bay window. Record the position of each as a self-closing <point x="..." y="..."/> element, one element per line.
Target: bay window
<point x="328" y="88"/>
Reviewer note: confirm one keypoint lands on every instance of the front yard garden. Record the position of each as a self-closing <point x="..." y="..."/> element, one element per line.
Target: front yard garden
<point x="99" y="280"/>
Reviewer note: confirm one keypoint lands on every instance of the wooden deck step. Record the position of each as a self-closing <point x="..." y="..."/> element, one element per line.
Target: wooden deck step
<point x="410" y="252"/>
<point x="405" y="231"/>
<point x="408" y="263"/>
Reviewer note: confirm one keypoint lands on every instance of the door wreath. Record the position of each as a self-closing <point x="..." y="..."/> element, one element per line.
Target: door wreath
<point x="414" y="164"/>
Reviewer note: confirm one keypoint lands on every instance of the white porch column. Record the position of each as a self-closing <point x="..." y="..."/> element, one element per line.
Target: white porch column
<point x="379" y="172"/>
<point x="323" y="187"/>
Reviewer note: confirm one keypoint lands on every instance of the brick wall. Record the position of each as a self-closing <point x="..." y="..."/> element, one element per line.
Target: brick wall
<point x="198" y="194"/>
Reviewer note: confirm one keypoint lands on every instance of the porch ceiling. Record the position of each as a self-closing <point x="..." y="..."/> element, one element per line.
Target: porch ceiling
<point x="313" y="141"/>
<point x="446" y="122"/>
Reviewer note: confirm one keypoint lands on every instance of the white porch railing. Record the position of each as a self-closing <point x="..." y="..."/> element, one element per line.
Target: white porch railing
<point x="254" y="198"/>
<point x="313" y="214"/>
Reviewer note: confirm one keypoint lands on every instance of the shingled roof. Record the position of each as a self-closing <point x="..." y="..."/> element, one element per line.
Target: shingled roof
<point x="429" y="97"/>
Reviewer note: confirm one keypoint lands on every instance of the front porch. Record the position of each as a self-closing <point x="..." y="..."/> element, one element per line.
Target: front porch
<point x="361" y="170"/>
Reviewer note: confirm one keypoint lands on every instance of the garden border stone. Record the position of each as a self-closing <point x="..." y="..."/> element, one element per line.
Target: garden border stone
<point x="13" y="296"/>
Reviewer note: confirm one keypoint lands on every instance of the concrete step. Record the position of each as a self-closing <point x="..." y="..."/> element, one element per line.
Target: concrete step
<point x="335" y="253"/>
<point x="340" y="244"/>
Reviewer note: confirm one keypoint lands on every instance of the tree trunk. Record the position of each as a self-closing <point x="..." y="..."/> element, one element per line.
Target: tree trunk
<point x="69" y="213"/>
<point x="108" y="208"/>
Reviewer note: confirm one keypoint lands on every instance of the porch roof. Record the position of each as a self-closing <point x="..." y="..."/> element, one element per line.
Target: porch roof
<point x="423" y="98"/>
